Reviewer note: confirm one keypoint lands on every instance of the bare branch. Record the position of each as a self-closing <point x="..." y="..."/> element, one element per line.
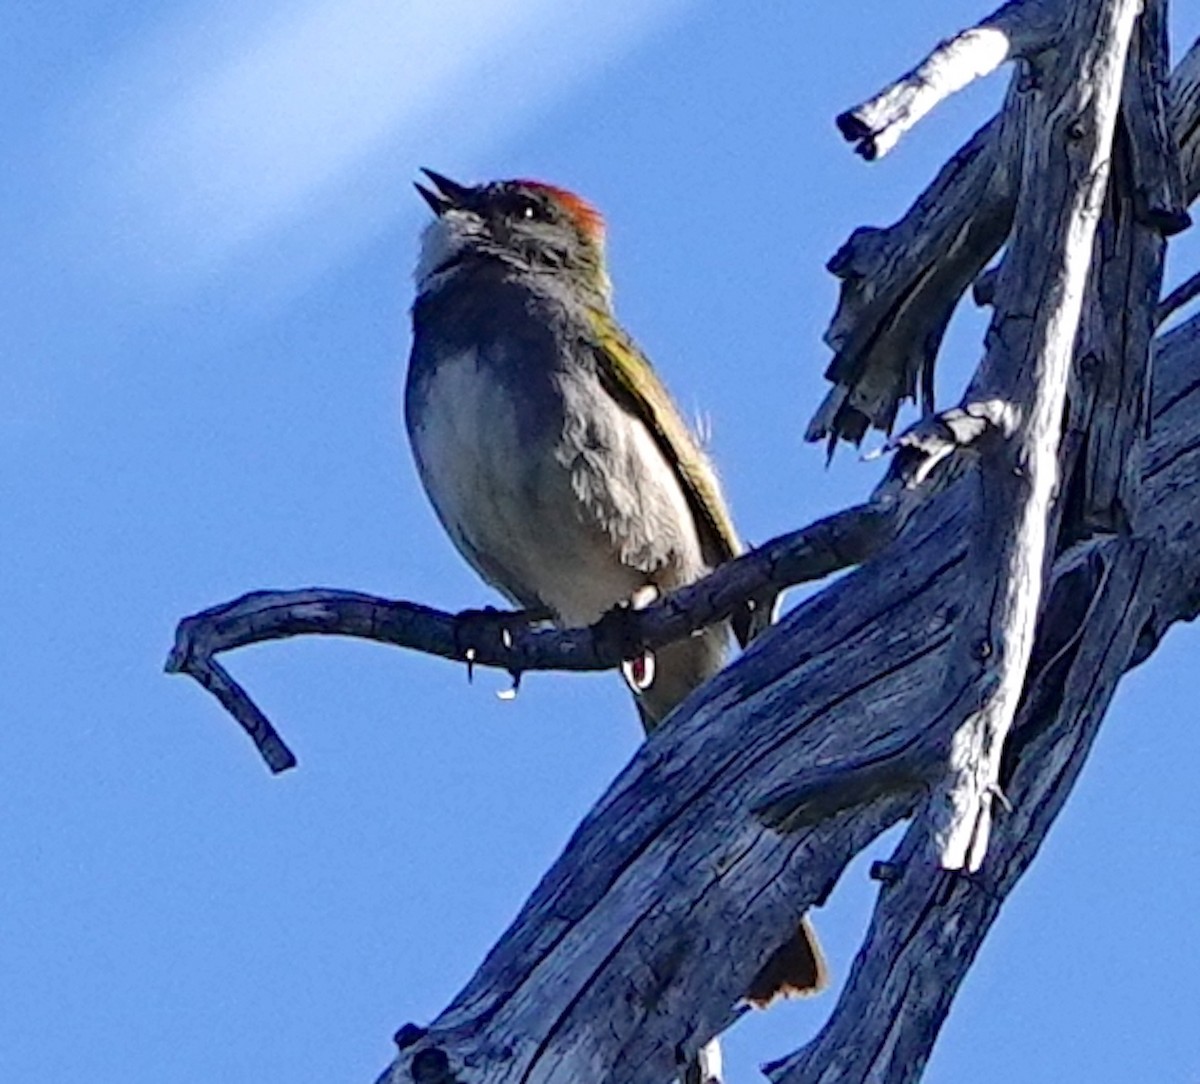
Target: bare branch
<point x="1185" y="120"/>
<point x="1018" y="395"/>
<point x="929" y="923"/>
<point x="1183" y="294"/>
<point x="1107" y="413"/>
<point x="510" y="641"/>
<point x="901" y="284"/>
<point x="235" y="700"/>
<point x="1039" y="298"/>
<point x="1184" y="123"/>
<point x="1156" y="184"/>
<point x="1019" y="28"/>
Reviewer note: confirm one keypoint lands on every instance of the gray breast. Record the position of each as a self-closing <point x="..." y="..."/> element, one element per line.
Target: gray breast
<point x="554" y="493"/>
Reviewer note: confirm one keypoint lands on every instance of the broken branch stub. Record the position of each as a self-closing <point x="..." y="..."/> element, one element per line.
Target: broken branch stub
<point x="900" y="284"/>
<point x="1020" y="28"/>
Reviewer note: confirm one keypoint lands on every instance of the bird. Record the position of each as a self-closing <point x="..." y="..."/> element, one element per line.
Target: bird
<point x="553" y="454"/>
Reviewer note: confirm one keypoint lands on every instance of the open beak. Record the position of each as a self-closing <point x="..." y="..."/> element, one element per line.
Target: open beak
<point x="449" y="193"/>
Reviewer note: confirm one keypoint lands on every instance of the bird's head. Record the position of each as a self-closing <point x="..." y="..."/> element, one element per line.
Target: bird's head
<point x="524" y="224"/>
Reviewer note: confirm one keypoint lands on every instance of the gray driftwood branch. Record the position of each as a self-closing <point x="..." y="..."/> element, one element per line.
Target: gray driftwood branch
<point x="1020" y="390"/>
<point x="1014" y="406"/>
<point x="1021" y="28"/>
<point x="1183" y="294"/>
<point x="511" y="641"/>
<point x="740" y="813"/>
<point x="635" y="948"/>
<point x="900" y="284"/>
<point x="743" y="810"/>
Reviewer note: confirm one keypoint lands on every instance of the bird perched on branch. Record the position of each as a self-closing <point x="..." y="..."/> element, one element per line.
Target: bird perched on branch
<point x="552" y="453"/>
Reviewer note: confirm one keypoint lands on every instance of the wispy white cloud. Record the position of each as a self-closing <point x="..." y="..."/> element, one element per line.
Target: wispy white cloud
<point x="311" y="115"/>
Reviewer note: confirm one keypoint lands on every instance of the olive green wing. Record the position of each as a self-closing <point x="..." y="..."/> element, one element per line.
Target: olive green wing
<point x="629" y="378"/>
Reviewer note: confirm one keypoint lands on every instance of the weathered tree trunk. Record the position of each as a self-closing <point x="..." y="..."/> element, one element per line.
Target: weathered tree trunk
<point x="1026" y="549"/>
<point x="637" y="945"/>
<point x="671" y="893"/>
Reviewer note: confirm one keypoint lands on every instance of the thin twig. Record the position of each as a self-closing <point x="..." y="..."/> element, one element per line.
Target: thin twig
<point x="511" y="641"/>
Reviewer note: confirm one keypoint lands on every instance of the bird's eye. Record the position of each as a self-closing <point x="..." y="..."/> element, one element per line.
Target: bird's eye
<point x="530" y="210"/>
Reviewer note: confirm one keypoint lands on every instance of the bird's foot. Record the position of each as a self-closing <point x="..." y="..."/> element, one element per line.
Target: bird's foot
<point x="618" y="629"/>
<point x="477" y="629"/>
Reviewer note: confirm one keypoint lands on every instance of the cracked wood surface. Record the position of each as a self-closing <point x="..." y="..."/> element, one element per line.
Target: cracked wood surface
<point x="901" y="283"/>
<point x="1114" y="597"/>
<point x="611" y="969"/>
<point x="1107" y="411"/>
<point x="635" y="947"/>
<point x="1039" y="297"/>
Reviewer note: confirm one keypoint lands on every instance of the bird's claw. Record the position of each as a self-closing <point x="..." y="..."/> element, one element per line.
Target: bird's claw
<point x="471" y="628"/>
<point x="511" y="692"/>
<point x="618" y="629"/>
<point x="477" y="629"/>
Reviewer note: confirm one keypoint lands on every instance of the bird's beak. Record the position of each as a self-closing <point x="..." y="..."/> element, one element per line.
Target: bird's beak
<point x="449" y="193"/>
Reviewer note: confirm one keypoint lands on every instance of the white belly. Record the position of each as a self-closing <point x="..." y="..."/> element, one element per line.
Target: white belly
<point x="575" y="515"/>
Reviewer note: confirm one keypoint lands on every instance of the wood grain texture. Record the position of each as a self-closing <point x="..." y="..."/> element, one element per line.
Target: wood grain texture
<point x="901" y="283"/>
<point x="743" y="810"/>
<point x="637" y="943"/>
<point x="670" y="893"/>
<point x="1075" y="95"/>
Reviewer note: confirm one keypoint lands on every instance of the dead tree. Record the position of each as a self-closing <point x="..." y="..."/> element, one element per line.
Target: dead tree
<point x="1025" y="549"/>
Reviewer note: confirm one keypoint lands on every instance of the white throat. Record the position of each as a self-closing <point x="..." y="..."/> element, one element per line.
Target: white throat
<point x="441" y="242"/>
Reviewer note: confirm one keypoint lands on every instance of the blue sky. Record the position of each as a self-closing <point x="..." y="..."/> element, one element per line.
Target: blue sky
<point x="209" y="232"/>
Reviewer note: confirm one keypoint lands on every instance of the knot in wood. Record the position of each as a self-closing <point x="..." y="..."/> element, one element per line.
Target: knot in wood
<point x="431" y="1066"/>
<point x="887" y="873"/>
<point x="1077" y="130"/>
<point x="982" y="650"/>
<point x="409" y="1035"/>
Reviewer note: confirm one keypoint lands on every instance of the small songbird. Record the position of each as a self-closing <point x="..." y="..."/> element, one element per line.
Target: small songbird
<point x="552" y="453"/>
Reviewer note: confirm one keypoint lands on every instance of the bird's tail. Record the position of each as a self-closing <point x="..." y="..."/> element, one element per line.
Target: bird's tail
<point x="795" y="969"/>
